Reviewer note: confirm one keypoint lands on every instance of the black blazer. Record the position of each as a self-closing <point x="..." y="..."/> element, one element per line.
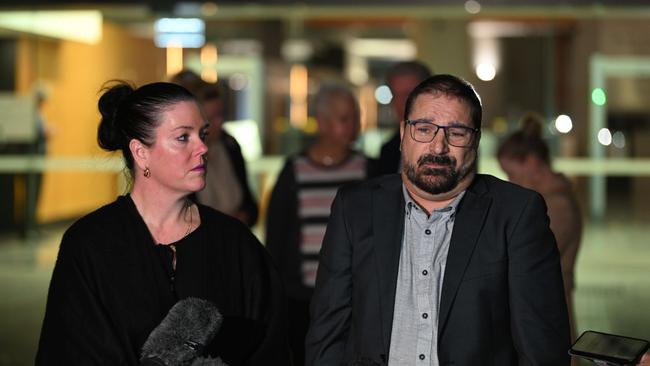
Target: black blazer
<point x="502" y="299"/>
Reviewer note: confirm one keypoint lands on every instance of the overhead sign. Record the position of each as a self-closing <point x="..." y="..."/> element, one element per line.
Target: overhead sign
<point x="179" y="32"/>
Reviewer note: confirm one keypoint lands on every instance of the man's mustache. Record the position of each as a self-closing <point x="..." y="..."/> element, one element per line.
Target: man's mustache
<point x="436" y="159"/>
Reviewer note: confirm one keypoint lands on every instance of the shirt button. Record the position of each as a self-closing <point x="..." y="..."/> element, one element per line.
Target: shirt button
<point x="421" y="356"/>
<point x="425" y="315"/>
<point x="425" y="272"/>
<point x="427" y="231"/>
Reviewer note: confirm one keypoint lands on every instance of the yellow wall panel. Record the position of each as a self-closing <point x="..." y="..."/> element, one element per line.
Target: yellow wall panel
<point x="73" y="73"/>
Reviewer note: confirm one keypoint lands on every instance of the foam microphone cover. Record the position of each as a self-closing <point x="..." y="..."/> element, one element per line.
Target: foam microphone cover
<point x="183" y="334"/>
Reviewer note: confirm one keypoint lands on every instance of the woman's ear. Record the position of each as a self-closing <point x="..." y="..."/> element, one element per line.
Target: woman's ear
<point x="140" y="153"/>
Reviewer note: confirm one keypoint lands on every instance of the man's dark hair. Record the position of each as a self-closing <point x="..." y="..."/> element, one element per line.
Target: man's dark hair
<point x="451" y="86"/>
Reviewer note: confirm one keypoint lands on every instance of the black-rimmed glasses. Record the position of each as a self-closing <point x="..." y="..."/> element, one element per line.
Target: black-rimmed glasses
<point x="425" y="131"/>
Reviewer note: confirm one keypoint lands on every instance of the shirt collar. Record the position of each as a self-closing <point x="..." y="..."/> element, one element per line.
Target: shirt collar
<point x="411" y="204"/>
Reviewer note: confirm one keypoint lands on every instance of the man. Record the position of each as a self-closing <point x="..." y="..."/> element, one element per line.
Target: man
<point x="439" y="265"/>
<point x="401" y="78"/>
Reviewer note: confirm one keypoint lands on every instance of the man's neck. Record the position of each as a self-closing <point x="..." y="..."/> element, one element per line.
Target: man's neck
<point x="430" y="202"/>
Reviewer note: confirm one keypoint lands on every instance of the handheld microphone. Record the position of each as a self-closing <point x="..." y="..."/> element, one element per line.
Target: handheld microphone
<point x="182" y="336"/>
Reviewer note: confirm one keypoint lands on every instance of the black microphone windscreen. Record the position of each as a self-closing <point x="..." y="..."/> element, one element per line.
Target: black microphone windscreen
<point x="183" y="334"/>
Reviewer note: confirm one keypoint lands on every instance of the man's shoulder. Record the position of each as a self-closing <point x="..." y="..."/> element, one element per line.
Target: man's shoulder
<point x="501" y="190"/>
<point x="498" y="185"/>
<point x="383" y="182"/>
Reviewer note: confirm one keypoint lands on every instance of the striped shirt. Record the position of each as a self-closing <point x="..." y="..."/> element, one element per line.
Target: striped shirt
<point x="317" y="187"/>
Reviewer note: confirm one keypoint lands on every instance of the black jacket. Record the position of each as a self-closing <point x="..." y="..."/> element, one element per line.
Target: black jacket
<point x="502" y="300"/>
<point x="110" y="289"/>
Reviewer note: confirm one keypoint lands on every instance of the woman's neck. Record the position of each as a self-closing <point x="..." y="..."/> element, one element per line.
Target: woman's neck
<point x="168" y="218"/>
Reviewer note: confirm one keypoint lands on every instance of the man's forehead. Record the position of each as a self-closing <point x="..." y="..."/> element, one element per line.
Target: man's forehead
<point x="437" y="98"/>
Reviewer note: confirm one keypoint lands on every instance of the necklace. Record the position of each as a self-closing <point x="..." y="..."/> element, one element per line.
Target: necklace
<point x="327" y="160"/>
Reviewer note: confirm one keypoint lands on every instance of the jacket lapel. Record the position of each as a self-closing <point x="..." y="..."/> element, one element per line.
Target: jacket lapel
<point x="388" y="226"/>
<point x="467" y="227"/>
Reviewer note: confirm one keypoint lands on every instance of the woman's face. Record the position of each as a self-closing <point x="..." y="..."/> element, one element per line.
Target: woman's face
<point x="339" y="125"/>
<point x="176" y="158"/>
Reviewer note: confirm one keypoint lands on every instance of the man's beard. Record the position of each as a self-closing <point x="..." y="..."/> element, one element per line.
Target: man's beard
<point x="436" y="180"/>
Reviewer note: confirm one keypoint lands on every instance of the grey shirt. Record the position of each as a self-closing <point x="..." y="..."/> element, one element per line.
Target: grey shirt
<point x="422" y="262"/>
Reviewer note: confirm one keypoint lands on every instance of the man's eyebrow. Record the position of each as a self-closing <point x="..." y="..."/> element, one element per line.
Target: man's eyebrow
<point x="458" y="124"/>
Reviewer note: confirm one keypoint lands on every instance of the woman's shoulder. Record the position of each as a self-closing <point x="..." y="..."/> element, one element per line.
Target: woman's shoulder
<point x="100" y="217"/>
<point x="105" y="222"/>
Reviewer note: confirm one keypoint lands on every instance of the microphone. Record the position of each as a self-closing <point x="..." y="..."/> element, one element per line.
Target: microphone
<point x="182" y="336"/>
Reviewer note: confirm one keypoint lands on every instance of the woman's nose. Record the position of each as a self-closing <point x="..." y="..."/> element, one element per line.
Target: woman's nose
<point x="202" y="148"/>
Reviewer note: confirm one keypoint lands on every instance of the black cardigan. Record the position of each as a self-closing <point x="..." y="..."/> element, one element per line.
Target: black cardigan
<point x="109" y="290"/>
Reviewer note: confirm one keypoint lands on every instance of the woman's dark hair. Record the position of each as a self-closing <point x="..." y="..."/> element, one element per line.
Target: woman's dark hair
<point x="134" y="113"/>
<point x="451" y="86"/>
<point x="526" y="141"/>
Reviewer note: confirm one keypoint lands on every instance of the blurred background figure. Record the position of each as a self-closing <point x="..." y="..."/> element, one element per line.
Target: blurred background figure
<point x="401" y="79"/>
<point x="300" y="203"/>
<point x="37" y="149"/>
<point x="226" y="188"/>
<point x="524" y="156"/>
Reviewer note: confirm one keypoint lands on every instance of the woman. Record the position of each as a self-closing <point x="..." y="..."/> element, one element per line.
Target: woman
<point x="226" y="187"/>
<point x="122" y="267"/>
<point x="524" y="157"/>
<point x="299" y="207"/>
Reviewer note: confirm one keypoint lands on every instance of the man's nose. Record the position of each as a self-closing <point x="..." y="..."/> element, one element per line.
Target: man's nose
<point x="439" y="143"/>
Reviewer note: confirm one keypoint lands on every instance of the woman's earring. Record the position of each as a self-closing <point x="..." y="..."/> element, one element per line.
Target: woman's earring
<point x="147" y="172"/>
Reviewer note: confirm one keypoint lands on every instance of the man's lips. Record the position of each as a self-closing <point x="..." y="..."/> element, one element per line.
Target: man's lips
<point x="198" y="168"/>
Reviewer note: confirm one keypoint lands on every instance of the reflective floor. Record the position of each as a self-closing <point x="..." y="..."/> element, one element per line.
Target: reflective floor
<point x="612" y="294"/>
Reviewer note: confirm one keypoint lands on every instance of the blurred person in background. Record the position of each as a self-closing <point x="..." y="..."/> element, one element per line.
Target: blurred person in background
<point x="37" y="149"/>
<point x="226" y="187"/>
<point x="122" y="267"/>
<point x="299" y="207"/>
<point x="524" y="156"/>
<point x="401" y="78"/>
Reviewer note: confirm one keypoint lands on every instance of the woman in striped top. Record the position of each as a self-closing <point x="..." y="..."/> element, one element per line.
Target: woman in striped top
<point x="300" y="203"/>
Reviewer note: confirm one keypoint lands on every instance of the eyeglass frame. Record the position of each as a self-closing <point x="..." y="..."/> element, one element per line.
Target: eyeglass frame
<point x="474" y="132"/>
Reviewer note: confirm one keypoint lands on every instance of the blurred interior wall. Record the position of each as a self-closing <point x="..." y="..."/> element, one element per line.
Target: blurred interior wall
<point x="74" y="73"/>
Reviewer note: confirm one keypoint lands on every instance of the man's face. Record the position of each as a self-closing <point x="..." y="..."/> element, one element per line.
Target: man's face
<point x="401" y="86"/>
<point x="436" y="167"/>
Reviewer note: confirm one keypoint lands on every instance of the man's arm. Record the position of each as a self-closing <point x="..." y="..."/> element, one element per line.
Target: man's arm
<point x="331" y="304"/>
<point x="539" y="319"/>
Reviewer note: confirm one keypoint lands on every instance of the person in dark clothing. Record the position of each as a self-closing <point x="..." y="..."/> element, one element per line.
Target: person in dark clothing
<point x="226" y="188"/>
<point x="401" y="78"/>
<point x="122" y="267"/>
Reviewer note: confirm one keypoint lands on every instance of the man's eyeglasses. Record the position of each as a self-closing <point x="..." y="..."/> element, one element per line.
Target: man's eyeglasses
<point x="425" y="131"/>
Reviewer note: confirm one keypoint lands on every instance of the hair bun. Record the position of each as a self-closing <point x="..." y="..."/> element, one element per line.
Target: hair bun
<point x="110" y="135"/>
<point x="532" y="125"/>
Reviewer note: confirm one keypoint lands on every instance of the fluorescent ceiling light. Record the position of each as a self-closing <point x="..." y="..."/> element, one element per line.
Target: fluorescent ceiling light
<point x="73" y="25"/>
<point x="179" y="32"/>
